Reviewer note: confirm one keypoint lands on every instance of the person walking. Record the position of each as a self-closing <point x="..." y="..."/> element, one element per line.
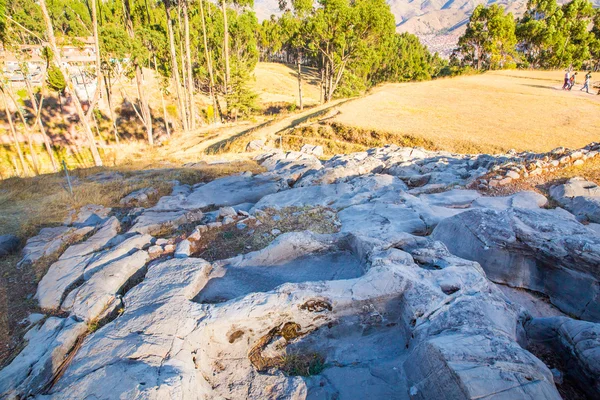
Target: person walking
<point x="586" y="84"/>
<point x="572" y="81"/>
<point x="567" y="80"/>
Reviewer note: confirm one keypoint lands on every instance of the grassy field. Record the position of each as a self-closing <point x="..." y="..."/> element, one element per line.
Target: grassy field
<point x="496" y="111"/>
<point x="279" y="83"/>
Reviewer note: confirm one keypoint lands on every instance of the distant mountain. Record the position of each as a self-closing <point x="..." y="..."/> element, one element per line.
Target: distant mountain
<point x="439" y="23"/>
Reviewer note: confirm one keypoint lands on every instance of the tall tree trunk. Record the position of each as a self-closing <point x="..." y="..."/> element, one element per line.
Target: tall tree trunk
<point x="14" y="133"/>
<point x="174" y="66"/>
<point x="226" y="46"/>
<point x="82" y="117"/>
<point x="162" y="101"/>
<point x="32" y="152"/>
<point x="182" y="60"/>
<point x="190" y="81"/>
<point x="209" y="64"/>
<point x="108" y="88"/>
<point x="99" y="74"/>
<point x="139" y="78"/>
<point x="300" y="80"/>
<point x="37" y="112"/>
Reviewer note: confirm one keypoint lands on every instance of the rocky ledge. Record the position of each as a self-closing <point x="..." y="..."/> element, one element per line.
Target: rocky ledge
<point x="418" y="288"/>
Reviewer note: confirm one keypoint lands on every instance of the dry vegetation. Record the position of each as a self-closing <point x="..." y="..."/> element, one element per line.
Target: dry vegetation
<point x="492" y="112"/>
<point x="229" y="241"/>
<point x="28" y="204"/>
<point x="279" y="83"/>
<point x="542" y="183"/>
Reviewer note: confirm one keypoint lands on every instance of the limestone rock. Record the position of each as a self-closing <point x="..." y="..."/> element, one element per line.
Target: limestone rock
<point x="579" y="196"/>
<point x="30" y="372"/>
<point x="50" y="242"/>
<point x="312" y="149"/>
<point x="576" y="344"/>
<point x="539" y="250"/>
<point x="183" y="249"/>
<point x="160" y="222"/>
<point x="89" y="215"/>
<point x="139" y="198"/>
<point x="107" y="231"/>
<point x="100" y="293"/>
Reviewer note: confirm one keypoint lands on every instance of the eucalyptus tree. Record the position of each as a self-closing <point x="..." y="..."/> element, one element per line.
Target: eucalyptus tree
<point x="489" y="41"/>
<point x="293" y="27"/>
<point x="344" y="31"/>
<point x="57" y="61"/>
<point x="138" y="56"/>
<point x="175" y="67"/>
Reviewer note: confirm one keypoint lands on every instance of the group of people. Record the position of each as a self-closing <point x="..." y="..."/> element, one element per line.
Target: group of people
<point x="570" y="81"/>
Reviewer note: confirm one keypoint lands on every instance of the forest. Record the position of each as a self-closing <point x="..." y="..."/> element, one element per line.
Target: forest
<point x="195" y="47"/>
<point x="547" y="36"/>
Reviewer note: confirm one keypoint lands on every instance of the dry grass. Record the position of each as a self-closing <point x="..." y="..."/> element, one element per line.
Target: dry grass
<point x="279" y="83"/>
<point x="27" y="204"/>
<point x="337" y="138"/>
<point x="542" y="183"/>
<point x="229" y="241"/>
<point x="492" y="112"/>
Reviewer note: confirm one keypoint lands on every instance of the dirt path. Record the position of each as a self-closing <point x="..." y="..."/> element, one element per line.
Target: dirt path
<point x="235" y="140"/>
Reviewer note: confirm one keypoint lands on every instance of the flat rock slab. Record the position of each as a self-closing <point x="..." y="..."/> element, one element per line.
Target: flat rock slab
<point x="89" y="215"/>
<point x="48" y="345"/>
<point x="579" y="196"/>
<point x="540" y="250"/>
<point x="50" y="242"/>
<point x="381" y="221"/>
<point x="139" y="198"/>
<point x="144" y="343"/>
<point x="107" y="231"/>
<point x="99" y="294"/>
<point x="260" y="272"/>
<point x="69" y="270"/>
<point x="157" y="222"/>
<point x="228" y="191"/>
<point x="360" y="190"/>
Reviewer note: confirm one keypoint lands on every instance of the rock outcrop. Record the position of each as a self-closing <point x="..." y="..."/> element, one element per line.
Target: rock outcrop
<point x="402" y="302"/>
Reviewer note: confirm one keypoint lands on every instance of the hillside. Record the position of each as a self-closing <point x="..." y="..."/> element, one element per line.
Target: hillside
<point x="438" y="23"/>
<point x="496" y="111"/>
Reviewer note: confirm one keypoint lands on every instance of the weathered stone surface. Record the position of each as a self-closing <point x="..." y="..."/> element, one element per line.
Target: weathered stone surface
<point x="8" y="244"/>
<point x="228" y="191"/>
<point x="123" y="249"/>
<point x="90" y="215"/>
<point x="179" y="348"/>
<point x="183" y="249"/>
<point x="69" y="270"/>
<point x="100" y="294"/>
<point x="158" y="222"/>
<point x="539" y="250"/>
<point x="518" y="200"/>
<point x="379" y="220"/>
<point x="107" y="231"/>
<point x="386" y="312"/>
<point x="312" y="149"/>
<point x="139" y="198"/>
<point x="50" y="242"/>
<point x="32" y="370"/>
<point x="146" y="344"/>
<point x="579" y="196"/>
<point x="576" y="344"/>
<point x="356" y="191"/>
